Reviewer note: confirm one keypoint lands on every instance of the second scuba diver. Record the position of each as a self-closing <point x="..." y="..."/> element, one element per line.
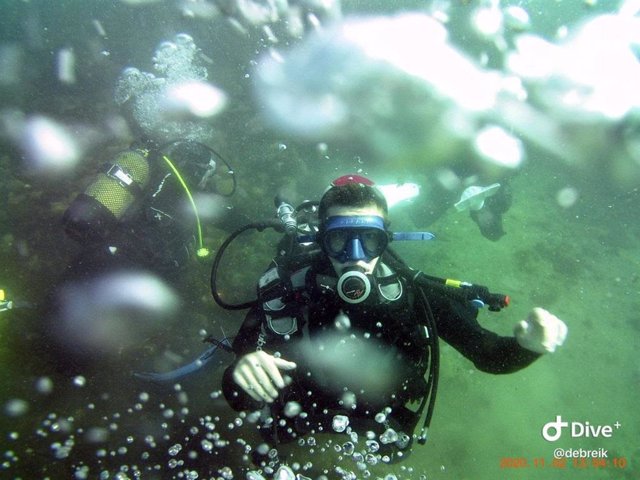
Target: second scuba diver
<point x="138" y="225"/>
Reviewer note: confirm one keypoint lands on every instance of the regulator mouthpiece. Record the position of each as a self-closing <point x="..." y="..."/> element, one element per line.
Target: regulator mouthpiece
<point x="354" y="286"/>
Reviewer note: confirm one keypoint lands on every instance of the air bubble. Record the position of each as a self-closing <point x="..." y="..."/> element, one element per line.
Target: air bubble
<point x="262" y="449"/>
<point x="168" y="413"/>
<point x="206" y="445"/>
<point x="79" y="381"/>
<point x="175" y="449"/>
<point x="81" y="473"/>
<point x="497" y="146"/>
<point x="16" y="407"/>
<point x="372" y="446"/>
<point x="44" y="385"/>
<point x="340" y="423"/>
<point x="517" y="18"/>
<point x="567" y="197"/>
<point x="403" y="441"/>
<point x="97" y="435"/>
<point x="66" y="65"/>
<point x="389" y="436"/>
<point x="348" y="448"/>
<point x="292" y="409"/>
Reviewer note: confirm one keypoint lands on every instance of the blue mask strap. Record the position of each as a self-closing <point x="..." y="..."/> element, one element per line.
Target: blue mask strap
<point x="401" y="236"/>
<point x="396" y="236"/>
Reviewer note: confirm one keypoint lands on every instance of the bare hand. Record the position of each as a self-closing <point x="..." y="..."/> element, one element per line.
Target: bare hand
<point x="258" y="374"/>
<point x="541" y="332"/>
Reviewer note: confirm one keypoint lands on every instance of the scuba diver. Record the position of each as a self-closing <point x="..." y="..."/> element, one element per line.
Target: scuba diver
<point x="144" y="195"/>
<point x="343" y="336"/>
<point x="138" y="223"/>
<point x="486" y="207"/>
<point x="486" y="203"/>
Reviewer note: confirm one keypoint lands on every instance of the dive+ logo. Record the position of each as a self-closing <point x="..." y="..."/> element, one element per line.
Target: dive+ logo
<point x="552" y="431"/>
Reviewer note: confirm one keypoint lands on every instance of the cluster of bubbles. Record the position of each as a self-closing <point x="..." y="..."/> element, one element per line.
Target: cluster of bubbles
<point x="163" y="434"/>
<point x="356" y="456"/>
<point x="277" y="19"/>
<point x="174" y="103"/>
<point x="113" y="438"/>
<point x="372" y="78"/>
<point x="399" y="85"/>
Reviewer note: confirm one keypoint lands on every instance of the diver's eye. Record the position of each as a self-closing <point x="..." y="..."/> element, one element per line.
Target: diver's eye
<point x="373" y="241"/>
<point x="335" y="241"/>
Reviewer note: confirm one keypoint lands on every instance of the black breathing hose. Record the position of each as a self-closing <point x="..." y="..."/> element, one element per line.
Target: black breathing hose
<point x="259" y="226"/>
<point x="429" y="400"/>
<point x="434" y="367"/>
<point x="286" y="222"/>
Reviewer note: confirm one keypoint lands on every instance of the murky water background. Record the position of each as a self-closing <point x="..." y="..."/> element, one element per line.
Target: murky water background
<point x="572" y="232"/>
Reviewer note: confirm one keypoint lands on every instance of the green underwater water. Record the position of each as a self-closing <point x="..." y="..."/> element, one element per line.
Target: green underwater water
<point x="580" y="262"/>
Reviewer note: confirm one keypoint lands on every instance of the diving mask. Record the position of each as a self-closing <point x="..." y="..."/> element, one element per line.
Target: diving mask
<point x="354" y="238"/>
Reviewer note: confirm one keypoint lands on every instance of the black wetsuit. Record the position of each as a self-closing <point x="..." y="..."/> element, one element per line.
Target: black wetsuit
<point x="378" y="358"/>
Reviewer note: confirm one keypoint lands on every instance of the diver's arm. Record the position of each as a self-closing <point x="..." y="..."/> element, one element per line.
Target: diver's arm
<point x="489" y="352"/>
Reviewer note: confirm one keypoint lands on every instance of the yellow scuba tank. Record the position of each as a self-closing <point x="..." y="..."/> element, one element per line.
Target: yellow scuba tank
<point x="119" y="183"/>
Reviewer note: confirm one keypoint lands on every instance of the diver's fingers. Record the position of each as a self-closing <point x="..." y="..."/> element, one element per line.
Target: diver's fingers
<point x="273" y="366"/>
<point x="260" y="367"/>
<point x="269" y="366"/>
<point x="243" y="383"/>
<point x="283" y="364"/>
<point x="245" y="378"/>
<point x="258" y="374"/>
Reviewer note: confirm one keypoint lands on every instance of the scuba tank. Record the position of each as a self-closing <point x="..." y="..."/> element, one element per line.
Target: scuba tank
<point x="95" y="213"/>
<point x="152" y="178"/>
